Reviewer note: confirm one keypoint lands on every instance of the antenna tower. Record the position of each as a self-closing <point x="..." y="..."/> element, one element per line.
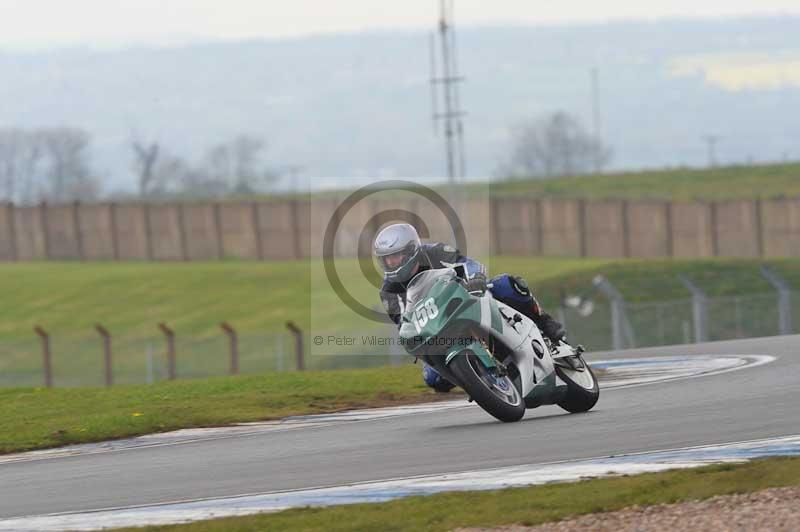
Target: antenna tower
<point x="444" y="81"/>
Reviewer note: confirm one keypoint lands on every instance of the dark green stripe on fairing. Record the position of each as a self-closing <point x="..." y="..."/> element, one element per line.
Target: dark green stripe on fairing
<point x="497" y="319"/>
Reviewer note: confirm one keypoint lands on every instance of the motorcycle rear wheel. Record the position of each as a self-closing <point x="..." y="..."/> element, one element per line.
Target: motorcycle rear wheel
<point x="497" y="395"/>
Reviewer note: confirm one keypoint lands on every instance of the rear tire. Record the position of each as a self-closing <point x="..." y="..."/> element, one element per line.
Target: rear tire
<point x="582" y="388"/>
<point x="497" y="395"/>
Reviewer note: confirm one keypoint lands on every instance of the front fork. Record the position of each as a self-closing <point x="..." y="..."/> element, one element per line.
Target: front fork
<point x="570" y="360"/>
<point x="441" y="363"/>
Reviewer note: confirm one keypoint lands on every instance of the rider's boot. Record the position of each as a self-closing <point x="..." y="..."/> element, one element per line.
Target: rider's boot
<point x="434" y="380"/>
<point x="550" y="328"/>
<point x="514" y="291"/>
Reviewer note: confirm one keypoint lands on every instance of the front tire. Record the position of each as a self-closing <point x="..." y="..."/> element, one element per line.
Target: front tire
<point x="582" y="388"/>
<point x="497" y="395"/>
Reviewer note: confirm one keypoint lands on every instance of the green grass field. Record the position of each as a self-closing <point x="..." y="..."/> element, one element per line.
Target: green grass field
<point x="723" y="183"/>
<point x="35" y="418"/>
<point x="525" y="506"/>
<point x="737" y="182"/>
<point x="130" y="299"/>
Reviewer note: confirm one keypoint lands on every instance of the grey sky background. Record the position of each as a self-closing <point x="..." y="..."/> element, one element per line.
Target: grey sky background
<point x="662" y="85"/>
<point x="41" y="24"/>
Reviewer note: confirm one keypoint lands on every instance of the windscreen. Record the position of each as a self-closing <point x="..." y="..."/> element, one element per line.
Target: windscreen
<point x="422" y="283"/>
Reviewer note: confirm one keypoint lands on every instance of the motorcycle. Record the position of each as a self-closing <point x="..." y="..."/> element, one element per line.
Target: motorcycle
<point x="496" y="354"/>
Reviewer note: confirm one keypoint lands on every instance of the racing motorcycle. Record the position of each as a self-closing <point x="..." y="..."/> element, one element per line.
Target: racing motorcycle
<point x="495" y="353"/>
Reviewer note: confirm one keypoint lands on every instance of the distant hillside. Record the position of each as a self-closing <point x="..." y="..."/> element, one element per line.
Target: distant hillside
<point x="765" y="181"/>
<point x="735" y="182"/>
<point x="358" y="105"/>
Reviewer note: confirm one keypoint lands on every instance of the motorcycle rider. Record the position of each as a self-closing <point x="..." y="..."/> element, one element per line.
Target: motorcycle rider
<point x="402" y="255"/>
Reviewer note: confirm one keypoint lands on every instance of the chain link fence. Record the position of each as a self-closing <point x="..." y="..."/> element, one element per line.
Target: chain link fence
<point x="80" y="361"/>
<point x="610" y="324"/>
<point x="674" y="322"/>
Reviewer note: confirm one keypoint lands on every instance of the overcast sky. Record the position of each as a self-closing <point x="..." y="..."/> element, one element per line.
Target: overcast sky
<point x="101" y="23"/>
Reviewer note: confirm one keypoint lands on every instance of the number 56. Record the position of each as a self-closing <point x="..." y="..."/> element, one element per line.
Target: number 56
<point x="426" y="311"/>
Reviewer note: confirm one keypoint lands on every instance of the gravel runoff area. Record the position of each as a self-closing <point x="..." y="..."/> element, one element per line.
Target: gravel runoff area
<point x="776" y="509"/>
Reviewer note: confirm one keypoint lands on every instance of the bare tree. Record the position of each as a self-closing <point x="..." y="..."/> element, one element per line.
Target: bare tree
<point x="20" y="160"/>
<point x="84" y="189"/>
<point x="219" y="166"/>
<point x="67" y="168"/>
<point x="145" y="159"/>
<point x="554" y="145"/>
<point x="246" y="155"/>
<point x="10" y="148"/>
<point x="233" y="167"/>
<point x="168" y="172"/>
<point x="198" y="182"/>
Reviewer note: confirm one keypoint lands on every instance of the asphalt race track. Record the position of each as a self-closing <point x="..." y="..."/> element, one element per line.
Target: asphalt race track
<point x="753" y="403"/>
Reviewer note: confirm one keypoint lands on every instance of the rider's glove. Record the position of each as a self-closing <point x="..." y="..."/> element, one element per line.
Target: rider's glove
<point x="476" y="284"/>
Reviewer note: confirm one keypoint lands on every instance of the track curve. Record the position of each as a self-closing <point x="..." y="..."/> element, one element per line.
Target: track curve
<point x="758" y="402"/>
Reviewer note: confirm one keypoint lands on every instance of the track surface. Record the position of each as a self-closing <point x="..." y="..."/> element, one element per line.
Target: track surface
<point x="754" y="403"/>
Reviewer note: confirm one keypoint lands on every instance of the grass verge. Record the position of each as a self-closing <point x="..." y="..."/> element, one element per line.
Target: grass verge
<point x="723" y="183"/>
<point x="36" y="418"/>
<point x="769" y="180"/>
<point x="528" y="506"/>
<point x="130" y="299"/>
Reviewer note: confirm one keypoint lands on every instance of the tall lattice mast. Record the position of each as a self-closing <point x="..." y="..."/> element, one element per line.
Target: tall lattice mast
<point x="447" y="82"/>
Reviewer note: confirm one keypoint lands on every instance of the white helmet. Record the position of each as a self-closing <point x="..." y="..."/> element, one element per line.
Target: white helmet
<point x="398" y="249"/>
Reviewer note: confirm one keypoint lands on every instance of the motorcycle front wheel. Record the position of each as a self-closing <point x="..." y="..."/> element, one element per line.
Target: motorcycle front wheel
<point x="582" y="388"/>
<point x="496" y="394"/>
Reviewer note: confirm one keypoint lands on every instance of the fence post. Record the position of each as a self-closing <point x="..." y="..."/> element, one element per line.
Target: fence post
<point x="670" y="230"/>
<point x="583" y="237"/>
<point x="182" y="237"/>
<point x="759" y="215"/>
<point x="626" y="229"/>
<point x="112" y="215"/>
<point x="784" y="299"/>
<point x="295" y="221"/>
<point x="170" y="336"/>
<point x="148" y="232"/>
<point x="48" y="366"/>
<point x="494" y="213"/>
<point x="539" y="230"/>
<point x="256" y="219"/>
<point x="699" y="309"/>
<point x="12" y="230"/>
<point x="43" y="220"/>
<point x="233" y="342"/>
<point x="712" y="223"/>
<point x="76" y="223"/>
<point x="218" y="234"/>
<point x="109" y="374"/>
<point x="621" y="330"/>
<point x="298" y="345"/>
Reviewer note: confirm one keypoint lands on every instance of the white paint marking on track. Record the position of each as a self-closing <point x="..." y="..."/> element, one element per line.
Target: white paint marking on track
<point x="623" y="373"/>
<point x="380" y="491"/>
<point x="643" y="371"/>
<point x="184" y="436"/>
